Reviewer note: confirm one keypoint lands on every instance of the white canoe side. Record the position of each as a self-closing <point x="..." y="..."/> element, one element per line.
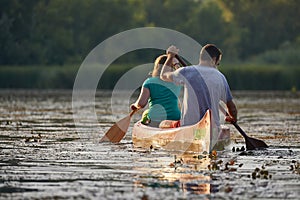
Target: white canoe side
<point x="200" y="137"/>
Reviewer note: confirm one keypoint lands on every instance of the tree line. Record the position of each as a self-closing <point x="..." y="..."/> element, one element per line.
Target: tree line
<point x="58" y="32"/>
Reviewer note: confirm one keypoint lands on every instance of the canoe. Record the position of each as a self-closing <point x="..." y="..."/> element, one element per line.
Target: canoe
<point x="203" y="136"/>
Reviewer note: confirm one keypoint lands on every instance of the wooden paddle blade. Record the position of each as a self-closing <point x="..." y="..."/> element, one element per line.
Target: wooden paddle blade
<point x="252" y="143"/>
<point x="116" y="133"/>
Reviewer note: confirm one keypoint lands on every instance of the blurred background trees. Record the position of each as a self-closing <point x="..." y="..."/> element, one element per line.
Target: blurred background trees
<point x="63" y="32"/>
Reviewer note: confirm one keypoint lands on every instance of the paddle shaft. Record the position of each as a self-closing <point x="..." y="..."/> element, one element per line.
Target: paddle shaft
<point x="180" y="60"/>
<point x="240" y="129"/>
<point x="132" y="112"/>
<point x="234" y="123"/>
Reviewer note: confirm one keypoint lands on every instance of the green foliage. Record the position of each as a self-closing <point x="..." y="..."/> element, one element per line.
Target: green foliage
<point x="37" y="77"/>
<point x="261" y="77"/>
<point x="61" y="32"/>
<point x="57" y="32"/>
<point x="287" y="54"/>
<point x="264" y="25"/>
<point x="239" y="76"/>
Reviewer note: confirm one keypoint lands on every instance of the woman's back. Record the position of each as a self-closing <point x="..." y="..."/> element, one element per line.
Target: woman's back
<point x="163" y="101"/>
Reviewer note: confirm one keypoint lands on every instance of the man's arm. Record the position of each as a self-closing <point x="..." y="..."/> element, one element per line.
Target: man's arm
<point x="232" y="111"/>
<point x="166" y="71"/>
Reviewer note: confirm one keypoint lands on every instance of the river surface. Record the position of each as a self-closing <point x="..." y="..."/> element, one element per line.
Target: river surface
<point x="45" y="156"/>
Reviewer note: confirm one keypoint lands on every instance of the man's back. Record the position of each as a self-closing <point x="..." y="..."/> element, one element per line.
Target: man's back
<point x="204" y="88"/>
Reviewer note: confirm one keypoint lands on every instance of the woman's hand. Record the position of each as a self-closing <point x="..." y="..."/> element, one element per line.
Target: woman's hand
<point x="134" y="107"/>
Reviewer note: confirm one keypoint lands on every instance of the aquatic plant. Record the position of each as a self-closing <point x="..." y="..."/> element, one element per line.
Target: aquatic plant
<point x="260" y="173"/>
<point x="295" y="167"/>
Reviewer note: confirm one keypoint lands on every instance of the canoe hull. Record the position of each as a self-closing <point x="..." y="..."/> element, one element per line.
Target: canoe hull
<point x="201" y="137"/>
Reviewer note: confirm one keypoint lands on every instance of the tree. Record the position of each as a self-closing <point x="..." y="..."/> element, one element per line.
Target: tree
<point x="265" y="24"/>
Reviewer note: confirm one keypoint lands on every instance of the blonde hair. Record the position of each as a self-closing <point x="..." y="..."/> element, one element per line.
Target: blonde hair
<point x="158" y="64"/>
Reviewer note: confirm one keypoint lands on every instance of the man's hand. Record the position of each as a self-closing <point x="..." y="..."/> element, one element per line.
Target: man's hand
<point x="230" y="119"/>
<point x="166" y="72"/>
<point x="172" y="50"/>
<point x="232" y="111"/>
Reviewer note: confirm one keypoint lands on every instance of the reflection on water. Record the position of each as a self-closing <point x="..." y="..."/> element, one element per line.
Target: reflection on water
<point x="44" y="156"/>
<point x="183" y="182"/>
<point x="174" y="174"/>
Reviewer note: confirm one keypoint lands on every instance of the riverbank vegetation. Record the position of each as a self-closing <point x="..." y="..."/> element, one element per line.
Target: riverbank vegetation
<point x="241" y="76"/>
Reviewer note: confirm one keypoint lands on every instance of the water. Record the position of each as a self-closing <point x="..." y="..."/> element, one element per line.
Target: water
<point x="44" y="156"/>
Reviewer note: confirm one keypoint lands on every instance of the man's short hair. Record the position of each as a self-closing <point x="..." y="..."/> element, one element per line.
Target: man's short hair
<point x="210" y="51"/>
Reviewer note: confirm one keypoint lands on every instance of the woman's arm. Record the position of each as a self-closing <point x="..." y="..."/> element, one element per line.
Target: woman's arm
<point x="142" y="101"/>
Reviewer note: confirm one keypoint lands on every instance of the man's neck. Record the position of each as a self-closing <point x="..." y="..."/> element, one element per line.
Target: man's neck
<point x="207" y="63"/>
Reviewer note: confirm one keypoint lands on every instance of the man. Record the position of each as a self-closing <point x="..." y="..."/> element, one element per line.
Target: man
<point x="204" y="86"/>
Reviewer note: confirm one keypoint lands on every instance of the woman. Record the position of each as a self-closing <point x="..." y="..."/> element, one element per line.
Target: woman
<point x="161" y="95"/>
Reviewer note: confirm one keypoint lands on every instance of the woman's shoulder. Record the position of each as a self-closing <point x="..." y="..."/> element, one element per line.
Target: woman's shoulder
<point x="156" y="80"/>
<point x="152" y="79"/>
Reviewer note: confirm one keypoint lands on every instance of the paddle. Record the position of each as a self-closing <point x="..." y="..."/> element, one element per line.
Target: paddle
<point x="116" y="133"/>
<point x="180" y="60"/>
<point x="251" y="143"/>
